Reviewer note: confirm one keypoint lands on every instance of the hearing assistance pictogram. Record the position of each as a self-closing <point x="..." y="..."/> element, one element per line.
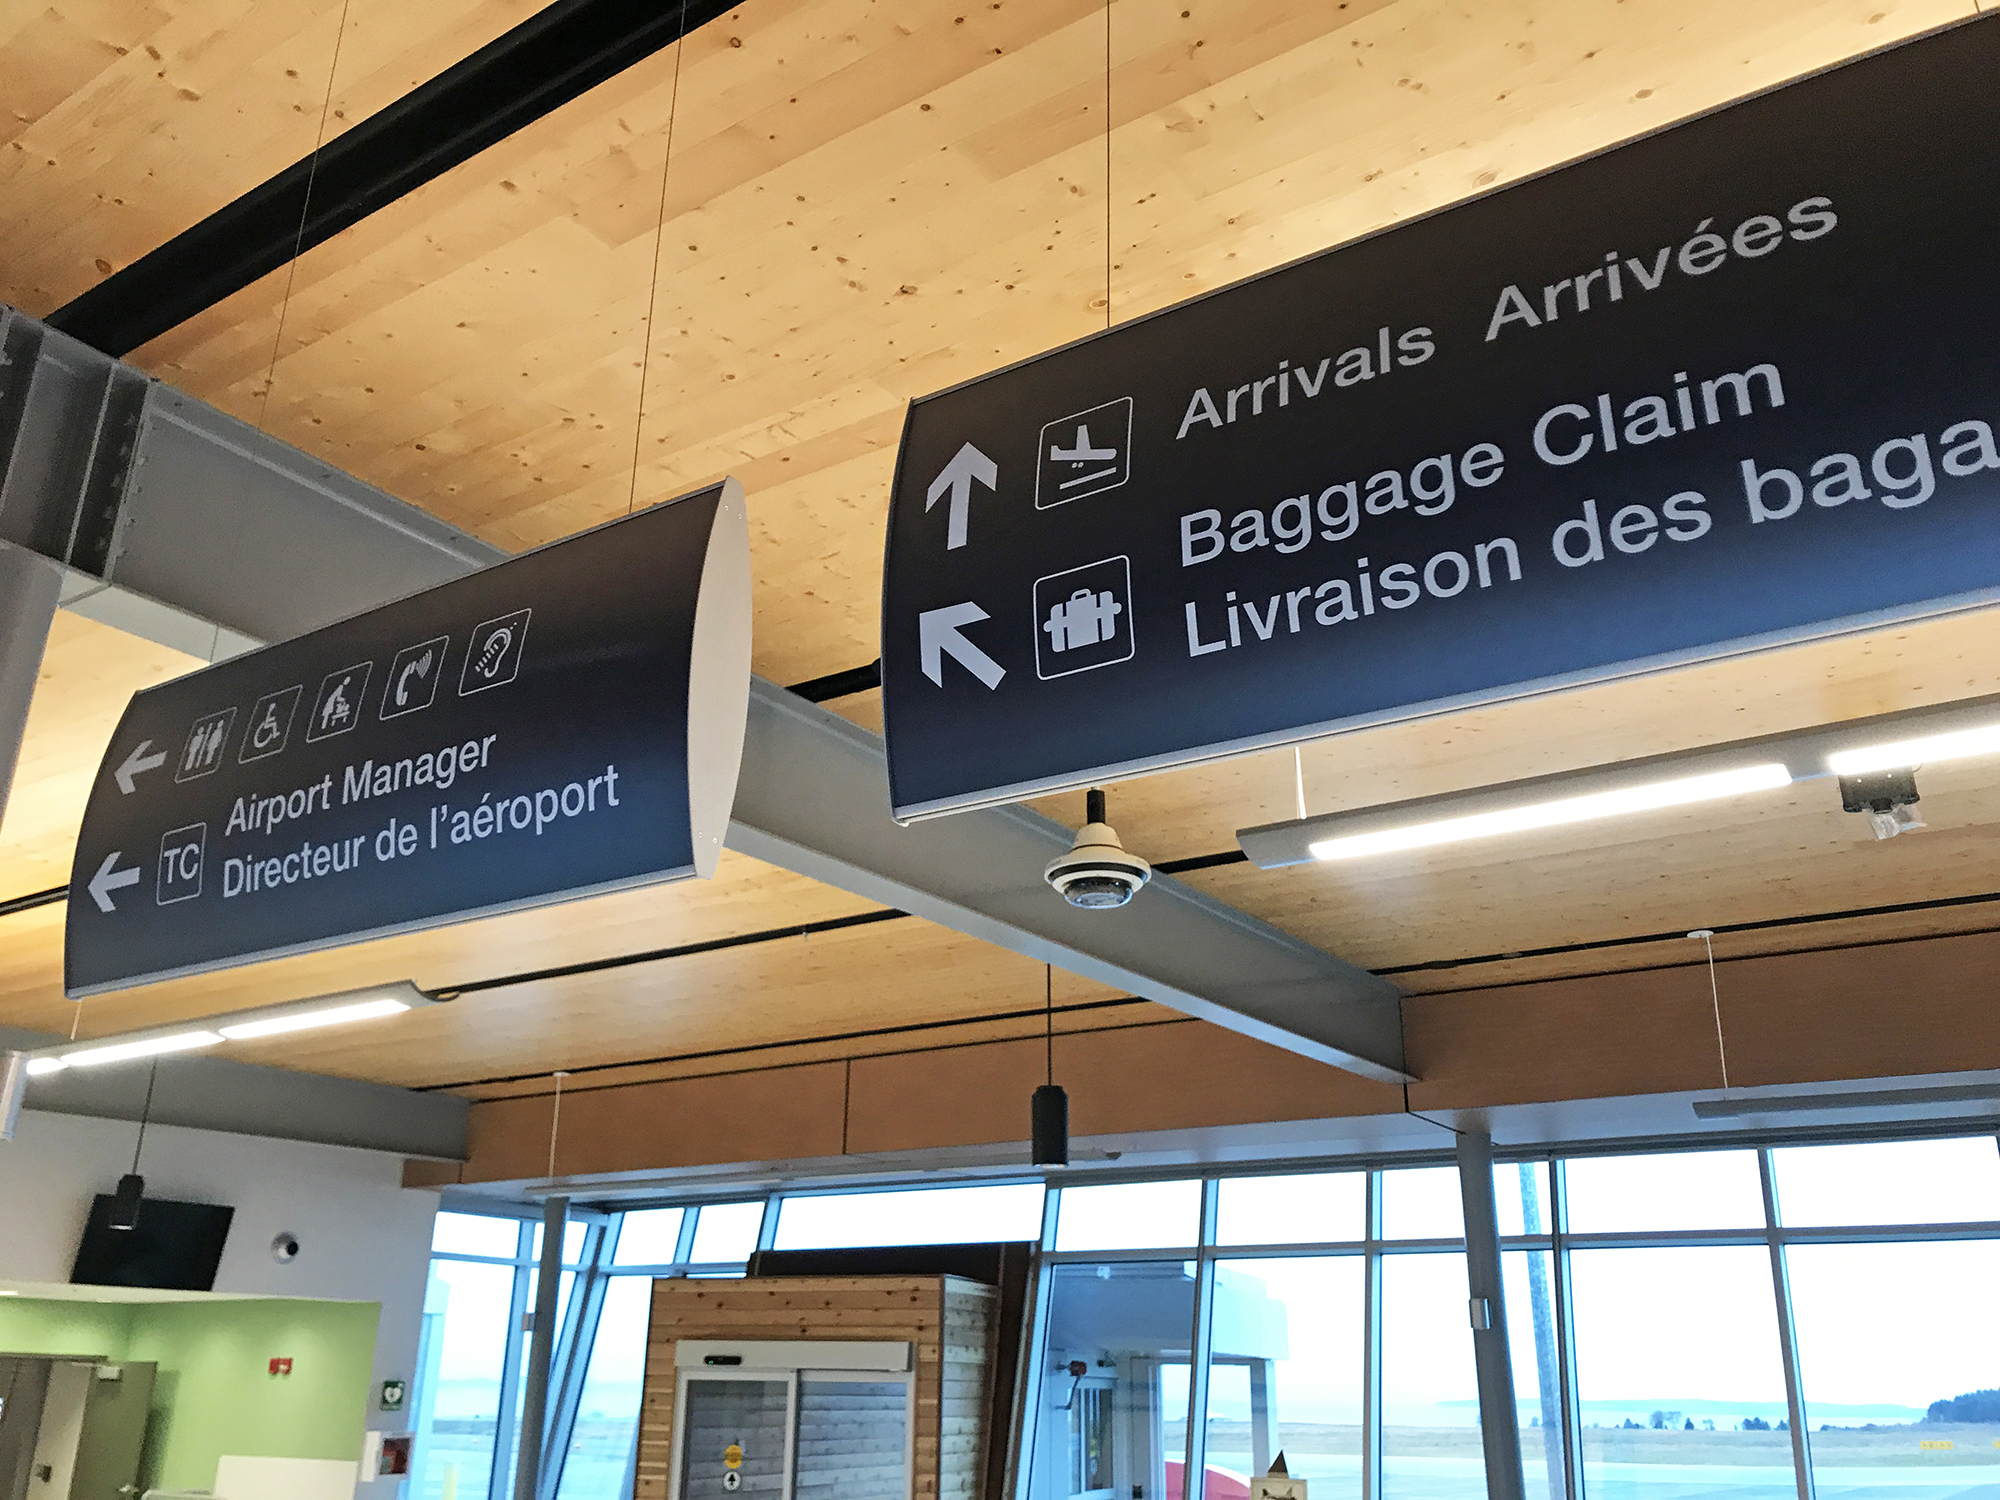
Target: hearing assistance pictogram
<point x="494" y="657"/>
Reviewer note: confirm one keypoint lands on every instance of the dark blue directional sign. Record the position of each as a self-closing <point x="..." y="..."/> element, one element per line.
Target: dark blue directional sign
<point x="564" y="723"/>
<point x="1729" y="385"/>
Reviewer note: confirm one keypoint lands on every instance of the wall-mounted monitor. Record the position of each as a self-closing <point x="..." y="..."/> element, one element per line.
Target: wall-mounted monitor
<point x="176" y="1246"/>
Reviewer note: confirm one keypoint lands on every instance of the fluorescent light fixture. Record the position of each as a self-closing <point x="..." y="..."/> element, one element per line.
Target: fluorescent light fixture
<point x="1618" y="802"/>
<point x="332" y="1015"/>
<point x="1742" y="1107"/>
<point x="146" y="1046"/>
<point x="237" y="1026"/>
<point x="1923" y="751"/>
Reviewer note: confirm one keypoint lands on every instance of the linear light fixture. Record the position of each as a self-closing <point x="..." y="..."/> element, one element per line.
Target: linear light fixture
<point x="1620" y="802"/>
<point x="236" y="1026"/>
<point x="1912" y="737"/>
<point x="1742" y="1107"/>
<point x="1925" y="750"/>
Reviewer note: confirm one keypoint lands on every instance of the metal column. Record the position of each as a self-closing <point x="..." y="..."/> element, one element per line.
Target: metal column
<point x="534" y="1400"/>
<point x="28" y="589"/>
<point x="1499" y="1421"/>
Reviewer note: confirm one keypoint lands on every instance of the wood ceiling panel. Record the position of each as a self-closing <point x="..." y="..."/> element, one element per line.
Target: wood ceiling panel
<point x="866" y="204"/>
<point x="1197" y="811"/>
<point x="859" y="979"/>
<point x="1759" y="858"/>
<point x="89" y="672"/>
<point x="126" y="123"/>
<point x="744" y="897"/>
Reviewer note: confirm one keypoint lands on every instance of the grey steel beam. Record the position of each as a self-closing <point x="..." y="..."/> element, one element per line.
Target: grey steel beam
<point x="180" y="522"/>
<point x="128" y="482"/>
<point x="28" y="589"/>
<point x="214" y="1093"/>
<point x="813" y="796"/>
<point x="1499" y="1417"/>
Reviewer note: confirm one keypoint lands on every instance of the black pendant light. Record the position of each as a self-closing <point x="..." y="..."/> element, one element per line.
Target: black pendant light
<point x="1049" y="1112"/>
<point x="132" y="1187"/>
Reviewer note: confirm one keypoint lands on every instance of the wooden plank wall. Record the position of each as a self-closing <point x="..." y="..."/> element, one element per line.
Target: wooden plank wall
<point x="948" y="1320"/>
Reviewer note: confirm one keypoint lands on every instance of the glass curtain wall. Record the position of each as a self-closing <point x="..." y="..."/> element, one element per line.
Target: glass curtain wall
<point x="1805" y="1322"/>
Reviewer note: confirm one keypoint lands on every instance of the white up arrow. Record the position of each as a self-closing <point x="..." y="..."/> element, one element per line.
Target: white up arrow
<point x="966" y="465"/>
<point x="938" y="635"/>
<point x="137" y="764"/>
<point x="107" y="880"/>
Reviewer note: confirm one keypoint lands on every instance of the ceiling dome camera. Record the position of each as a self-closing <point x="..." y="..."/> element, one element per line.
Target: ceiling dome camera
<point x="1097" y="872"/>
<point x="285" y="1249"/>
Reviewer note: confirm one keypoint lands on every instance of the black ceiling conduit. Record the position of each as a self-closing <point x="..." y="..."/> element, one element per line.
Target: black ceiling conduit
<point x="551" y="58"/>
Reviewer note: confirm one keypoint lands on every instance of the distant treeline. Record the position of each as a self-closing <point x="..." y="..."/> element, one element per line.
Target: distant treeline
<point x="1973" y="1406"/>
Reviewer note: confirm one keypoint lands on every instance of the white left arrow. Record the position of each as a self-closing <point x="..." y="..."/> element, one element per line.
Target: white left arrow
<point x="956" y="480"/>
<point x="138" y="763"/>
<point x="938" y="637"/>
<point x="107" y="880"/>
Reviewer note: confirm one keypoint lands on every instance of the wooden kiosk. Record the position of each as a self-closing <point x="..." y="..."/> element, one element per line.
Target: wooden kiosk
<point x="817" y="1388"/>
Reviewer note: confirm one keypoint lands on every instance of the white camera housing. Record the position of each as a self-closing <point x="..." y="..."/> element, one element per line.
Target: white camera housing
<point x="285" y="1249"/>
<point x="1098" y="872"/>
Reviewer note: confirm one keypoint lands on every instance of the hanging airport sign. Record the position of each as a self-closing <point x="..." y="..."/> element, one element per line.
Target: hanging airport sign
<point x="1729" y="385"/>
<point x="565" y="723"/>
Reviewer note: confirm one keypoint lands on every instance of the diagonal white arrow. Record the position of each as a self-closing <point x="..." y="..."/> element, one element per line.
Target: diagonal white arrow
<point x="938" y="636"/>
<point x="966" y="465"/>
<point x="138" y="763"/>
<point x="107" y="880"/>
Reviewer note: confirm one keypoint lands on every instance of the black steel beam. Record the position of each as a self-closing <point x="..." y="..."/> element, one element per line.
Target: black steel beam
<point x="542" y="64"/>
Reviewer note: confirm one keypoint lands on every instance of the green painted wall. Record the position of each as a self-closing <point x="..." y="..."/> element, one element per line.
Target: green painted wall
<point x="28" y="1326"/>
<point x="215" y="1393"/>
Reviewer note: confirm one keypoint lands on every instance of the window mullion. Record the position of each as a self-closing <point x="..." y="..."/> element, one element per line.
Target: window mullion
<point x="1195" y="1473"/>
<point x="1788" y="1348"/>
<point x="1371" y="1345"/>
<point x="1565" y="1310"/>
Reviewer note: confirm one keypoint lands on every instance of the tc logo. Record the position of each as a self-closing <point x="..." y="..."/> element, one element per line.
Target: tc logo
<point x="182" y="851"/>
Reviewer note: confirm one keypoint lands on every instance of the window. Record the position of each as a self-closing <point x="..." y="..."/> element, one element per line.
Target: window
<point x="1698" y="1190"/>
<point x="1130" y="1216"/>
<point x="1679" y="1372"/>
<point x="727" y="1232"/>
<point x="939" y="1216"/>
<point x="1899" y="1360"/>
<point x="650" y="1237"/>
<point x="1430" y="1396"/>
<point x="466" y="1314"/>
<point x="1285" y="1369"/>
<point x="601" y="1440"/>
<point x="1112" y="1414"/>
<point x="1890" y="1182"/>
<point x="1422" y="1204"/>
<point x="1321" y="1209"/>
<point x="1645" y="1297"/>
